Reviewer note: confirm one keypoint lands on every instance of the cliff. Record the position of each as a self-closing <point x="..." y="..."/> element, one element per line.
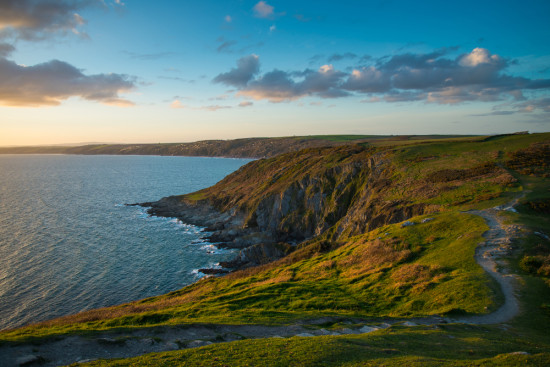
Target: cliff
<point x="329" y="193"/>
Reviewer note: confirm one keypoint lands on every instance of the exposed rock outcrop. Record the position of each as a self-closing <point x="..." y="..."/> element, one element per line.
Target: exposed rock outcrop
<point x="336" y="192"/>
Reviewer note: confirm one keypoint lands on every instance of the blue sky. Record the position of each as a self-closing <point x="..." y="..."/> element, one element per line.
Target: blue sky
<point x="175" y="71"/>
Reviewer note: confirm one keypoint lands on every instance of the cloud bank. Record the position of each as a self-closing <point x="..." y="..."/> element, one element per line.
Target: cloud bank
<point x="6" y="49"/>
<point x="40" y="19"/>
<point x="49" y="83"/>
<point x="240" y="76"/>
<point x="432" y="77"/>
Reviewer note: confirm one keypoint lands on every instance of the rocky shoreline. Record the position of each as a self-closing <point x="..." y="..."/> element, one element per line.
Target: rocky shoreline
<point x="268" y="206"/>
<point x="227" y="231"/>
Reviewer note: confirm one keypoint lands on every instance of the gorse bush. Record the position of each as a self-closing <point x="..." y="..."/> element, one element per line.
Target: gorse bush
<point x="534" y="160"/>
<point x="447" y="175"/>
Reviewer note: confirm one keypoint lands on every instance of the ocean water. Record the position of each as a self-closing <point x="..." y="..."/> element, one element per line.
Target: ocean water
<point x="68" y="243"/>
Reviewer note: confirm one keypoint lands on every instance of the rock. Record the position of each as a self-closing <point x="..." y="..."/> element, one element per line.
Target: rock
<point x="171" y="346"/>
<point x="198" y="343"/>
<point x="426" y="220"/>
<point x="407" y="224"/>
<point x="519" y="353"/>
<point x="230" y="337"/>
<point x="368" y="329"/>
<point x="540" y="234"/>
<point x="211" y="271"/>
<point x="409" y="323"/>
<point x="305" y="335"/>
<point x="346" y="331"/>
<point x="28" y="359"/>
<point x="262" y="253"/>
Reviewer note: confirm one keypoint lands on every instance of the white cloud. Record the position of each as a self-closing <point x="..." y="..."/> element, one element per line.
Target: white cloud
<point x="326" y="69"/>
<point x="78" y="19"/>
<point x="177" y="104"/>
<point x="479" y="56"/>
<point x="213" y="108"/>
<point x="263" y="10"/>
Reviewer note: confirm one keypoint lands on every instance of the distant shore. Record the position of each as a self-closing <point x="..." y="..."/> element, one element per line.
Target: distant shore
<point x="237" y="148"/>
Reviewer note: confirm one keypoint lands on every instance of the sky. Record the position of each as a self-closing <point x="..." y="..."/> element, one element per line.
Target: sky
<point x="136" y="71"/>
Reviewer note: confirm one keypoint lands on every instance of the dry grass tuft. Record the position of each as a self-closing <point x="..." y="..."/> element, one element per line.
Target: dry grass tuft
<point x="371" y="256"/>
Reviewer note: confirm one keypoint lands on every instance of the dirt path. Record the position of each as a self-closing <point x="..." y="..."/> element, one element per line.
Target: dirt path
<point x="491" y="256"/>
<point x="123" y="344"/>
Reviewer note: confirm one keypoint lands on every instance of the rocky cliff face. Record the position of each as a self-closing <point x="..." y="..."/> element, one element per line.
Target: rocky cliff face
<point x="337" y="192"/>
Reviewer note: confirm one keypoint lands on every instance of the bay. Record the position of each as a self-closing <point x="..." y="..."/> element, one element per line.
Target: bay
<point x="68" y="243"/>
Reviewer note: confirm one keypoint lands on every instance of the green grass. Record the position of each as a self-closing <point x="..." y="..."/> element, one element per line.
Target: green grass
<point x="504" y="144"/>
<point x="196" y="196"/>
<point x="341" y="138"/>
<point x="450" y="345"/>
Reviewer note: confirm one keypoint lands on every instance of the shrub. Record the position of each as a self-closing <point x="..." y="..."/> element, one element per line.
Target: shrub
<point x="447" y="175"/>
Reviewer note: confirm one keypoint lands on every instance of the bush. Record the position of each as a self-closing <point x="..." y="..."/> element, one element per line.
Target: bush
<point x="447" y="175"/>
<point x="539" y="265"/>
<point x="534" y="160"/>
<point x="540" y="206"/>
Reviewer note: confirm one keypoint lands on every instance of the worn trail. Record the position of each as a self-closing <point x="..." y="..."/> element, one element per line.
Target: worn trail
<point x="131" y="343"/>
<point x="491" y="256"/>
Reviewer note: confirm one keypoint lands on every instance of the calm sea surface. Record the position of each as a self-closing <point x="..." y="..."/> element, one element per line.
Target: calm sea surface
<point x="68" y="244"/>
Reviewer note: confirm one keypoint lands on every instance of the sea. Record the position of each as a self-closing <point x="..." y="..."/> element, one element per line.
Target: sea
<point x="68" y="242"/>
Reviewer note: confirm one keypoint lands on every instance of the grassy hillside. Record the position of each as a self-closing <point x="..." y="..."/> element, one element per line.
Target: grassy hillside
<point x="354" y="257"/>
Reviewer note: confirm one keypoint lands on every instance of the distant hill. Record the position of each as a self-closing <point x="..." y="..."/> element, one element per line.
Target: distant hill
<point x="238" y="148"/>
